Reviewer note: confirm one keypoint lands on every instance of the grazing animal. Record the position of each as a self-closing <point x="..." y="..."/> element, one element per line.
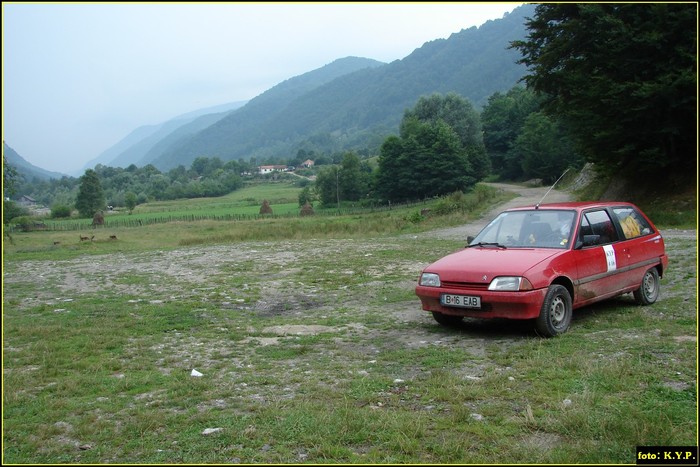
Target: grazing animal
<point x="112" y="237"/>
<point x="84" y="239"/>
<point x="56" y="243"/>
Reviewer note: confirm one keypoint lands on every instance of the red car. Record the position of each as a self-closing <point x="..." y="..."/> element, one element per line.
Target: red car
<point x="542" y="262"/>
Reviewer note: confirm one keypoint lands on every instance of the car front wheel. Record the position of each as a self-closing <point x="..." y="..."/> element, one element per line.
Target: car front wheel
<point x="648" y="292"/>
<point x="447" y="320"/>
<point x="555" y="315"/>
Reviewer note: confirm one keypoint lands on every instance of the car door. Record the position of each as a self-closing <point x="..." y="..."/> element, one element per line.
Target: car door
<point x="640" y="245"/>
<point x="596" y="253"/>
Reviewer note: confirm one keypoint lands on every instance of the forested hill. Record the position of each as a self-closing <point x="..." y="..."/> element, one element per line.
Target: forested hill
<point x="358" y="110"/>
<point x="258" y="110"/>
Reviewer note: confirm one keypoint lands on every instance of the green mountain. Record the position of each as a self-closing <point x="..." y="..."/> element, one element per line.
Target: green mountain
<point x="27" y="170"/>
<point x="146" y="144"/>
<point x="168" y="136"/>
<point x="359" y="109"/>
<point x="258" y="112"/>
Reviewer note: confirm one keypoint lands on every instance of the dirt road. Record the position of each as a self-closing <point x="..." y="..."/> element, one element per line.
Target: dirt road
<point x="526" y="196"/>
<point x="529" y="196"/>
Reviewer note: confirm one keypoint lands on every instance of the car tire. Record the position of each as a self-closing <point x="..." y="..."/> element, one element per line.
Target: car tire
<point x="447" y="320"/>
<point x="556" y="312"/>
<point x="648" y="291"/>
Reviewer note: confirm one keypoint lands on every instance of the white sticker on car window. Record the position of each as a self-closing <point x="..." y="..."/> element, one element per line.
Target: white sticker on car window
<point x="610" y="257"/>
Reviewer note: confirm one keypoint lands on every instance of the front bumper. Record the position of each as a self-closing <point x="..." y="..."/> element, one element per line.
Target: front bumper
<point x="512" y="305"/>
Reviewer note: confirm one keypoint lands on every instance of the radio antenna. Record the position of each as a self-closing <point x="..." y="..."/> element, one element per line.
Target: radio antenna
<point x="537" y="206"/>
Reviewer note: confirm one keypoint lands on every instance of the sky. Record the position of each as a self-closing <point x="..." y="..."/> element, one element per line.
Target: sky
<point x="79" y="77"/>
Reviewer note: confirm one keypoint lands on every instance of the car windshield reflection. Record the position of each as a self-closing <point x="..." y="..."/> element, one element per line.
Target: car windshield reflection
<point x="537" y="228"/>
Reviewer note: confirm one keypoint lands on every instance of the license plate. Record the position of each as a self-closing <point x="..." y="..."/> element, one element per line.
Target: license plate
<point x="461" y="301"/>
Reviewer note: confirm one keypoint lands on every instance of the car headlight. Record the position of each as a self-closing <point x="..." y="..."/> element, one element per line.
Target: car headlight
<point x="429" y="279"/>
<point x="510" y="283"/>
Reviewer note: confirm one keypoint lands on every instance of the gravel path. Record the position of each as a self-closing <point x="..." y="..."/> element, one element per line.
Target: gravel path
<point x="527" y="196"/>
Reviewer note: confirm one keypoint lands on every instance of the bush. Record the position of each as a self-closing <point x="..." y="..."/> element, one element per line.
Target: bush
<point x="415" y="218"/>
<point x="24" y="223"/>
<point x="11" y="210"/>
<point x="483" y="193"/>
<point x="59" y="211"/>
<point x="452" y="203"/>
<point x="305" y="197"/>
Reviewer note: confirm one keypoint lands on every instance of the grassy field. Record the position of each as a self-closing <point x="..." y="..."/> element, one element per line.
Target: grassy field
<point x="312" y="348"/>
<point x="241" y="205"/>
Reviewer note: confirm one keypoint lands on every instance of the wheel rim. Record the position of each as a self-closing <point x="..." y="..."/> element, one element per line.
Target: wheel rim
<point x="649" y="286"/>
<point x="558" y="311"/>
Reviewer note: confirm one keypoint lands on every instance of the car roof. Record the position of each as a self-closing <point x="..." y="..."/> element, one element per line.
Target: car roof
<point x="573" y="205"/>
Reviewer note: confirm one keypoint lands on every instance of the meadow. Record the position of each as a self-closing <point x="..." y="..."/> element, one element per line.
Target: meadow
<point x="300" y="340"/>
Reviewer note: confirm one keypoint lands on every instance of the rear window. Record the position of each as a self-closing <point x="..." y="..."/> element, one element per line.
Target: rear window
<point x="632" y="222"/>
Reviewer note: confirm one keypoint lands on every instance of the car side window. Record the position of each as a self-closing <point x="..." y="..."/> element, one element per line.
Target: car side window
<point x="598" y="223"/>
<point x="633" y="224"/>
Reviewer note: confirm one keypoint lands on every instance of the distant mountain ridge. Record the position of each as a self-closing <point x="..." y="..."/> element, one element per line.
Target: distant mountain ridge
<point x="25" y="169"/>
<point x="132" y="149"/>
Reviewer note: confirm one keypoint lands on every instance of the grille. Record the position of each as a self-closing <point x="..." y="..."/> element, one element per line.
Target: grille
<point x="465" y="285"/>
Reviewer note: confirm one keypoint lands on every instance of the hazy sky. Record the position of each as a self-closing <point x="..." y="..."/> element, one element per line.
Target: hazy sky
<point x="79" y="77"/>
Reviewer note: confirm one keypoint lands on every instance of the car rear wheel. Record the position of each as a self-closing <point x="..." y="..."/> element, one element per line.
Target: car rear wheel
<point x="555" y="315"/>
<point x="648" y="292"/>
<point x="447" y="320"/>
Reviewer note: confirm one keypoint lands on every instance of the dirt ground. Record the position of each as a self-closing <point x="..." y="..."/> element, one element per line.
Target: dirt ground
<point x="209" y="273"/>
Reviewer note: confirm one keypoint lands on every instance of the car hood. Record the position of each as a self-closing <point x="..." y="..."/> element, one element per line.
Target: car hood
<point x="472" y="264"/>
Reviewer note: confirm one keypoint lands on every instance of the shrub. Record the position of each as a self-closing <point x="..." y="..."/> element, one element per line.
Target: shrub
<point x="59" y="211"/>
<point x="24" y="223"/>
<point x="415" y="218"/>
<point x="483" y="193"/>
<point x="449" y="204"/>
<point x="12" y="210"/>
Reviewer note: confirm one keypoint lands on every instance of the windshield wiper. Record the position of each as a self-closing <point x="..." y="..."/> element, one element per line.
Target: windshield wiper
<point x="497" y="245"/>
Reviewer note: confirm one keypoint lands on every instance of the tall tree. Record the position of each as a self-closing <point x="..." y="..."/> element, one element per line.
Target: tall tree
<point x="327" y="185"/>
<point x="354" y="181"/>
<point x="503" y="118"/>
<point x="90" y="198"/>
<point x="428" y="160"/>
<point x="545" y="148"/>
<point x="459" y="114"/>
<point x="623" y="75"/>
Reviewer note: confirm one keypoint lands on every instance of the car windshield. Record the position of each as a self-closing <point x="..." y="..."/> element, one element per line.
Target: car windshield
<point x="537" y="228"/>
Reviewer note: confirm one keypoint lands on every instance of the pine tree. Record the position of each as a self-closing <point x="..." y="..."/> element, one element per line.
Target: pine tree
<point x="623" y="77"/>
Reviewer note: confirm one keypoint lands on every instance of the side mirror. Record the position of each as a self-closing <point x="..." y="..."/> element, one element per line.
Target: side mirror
<point x="470" y="238"/>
